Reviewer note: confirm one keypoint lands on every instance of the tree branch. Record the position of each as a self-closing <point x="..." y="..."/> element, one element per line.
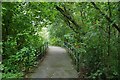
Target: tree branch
<point x="67" y="16"/>
<point x="108" y="18"/>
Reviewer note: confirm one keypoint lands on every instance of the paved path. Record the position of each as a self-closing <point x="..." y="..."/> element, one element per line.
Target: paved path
<point x="57" y="64"/>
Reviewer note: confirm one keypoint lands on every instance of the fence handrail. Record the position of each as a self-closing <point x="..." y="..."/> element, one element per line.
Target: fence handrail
<point x="71" y="46"/>
<point x="74" y="54"/>
<point x="40" y="54"/>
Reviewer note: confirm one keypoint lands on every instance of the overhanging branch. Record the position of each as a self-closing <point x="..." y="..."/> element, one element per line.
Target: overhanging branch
<point x="108" y="18"/>
<point x="67" y="16"/>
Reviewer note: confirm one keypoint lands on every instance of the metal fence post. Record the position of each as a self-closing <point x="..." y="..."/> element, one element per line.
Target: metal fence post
<point x="27" y="62"/>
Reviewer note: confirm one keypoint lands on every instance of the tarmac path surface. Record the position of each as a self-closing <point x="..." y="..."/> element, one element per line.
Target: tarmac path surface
<point x="56" y="64"/>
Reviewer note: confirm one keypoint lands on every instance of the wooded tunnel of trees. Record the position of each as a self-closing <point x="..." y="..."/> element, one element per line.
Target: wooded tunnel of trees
<point x="90" y="30"/>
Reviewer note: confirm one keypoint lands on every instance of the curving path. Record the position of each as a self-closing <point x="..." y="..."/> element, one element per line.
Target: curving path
<point x="57" y="64"/>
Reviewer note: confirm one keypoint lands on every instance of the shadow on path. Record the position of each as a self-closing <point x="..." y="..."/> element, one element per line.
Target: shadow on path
<point x="57" y="64"/>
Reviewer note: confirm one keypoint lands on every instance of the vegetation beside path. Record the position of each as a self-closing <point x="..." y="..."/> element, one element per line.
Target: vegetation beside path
<point x="91" y="32"/>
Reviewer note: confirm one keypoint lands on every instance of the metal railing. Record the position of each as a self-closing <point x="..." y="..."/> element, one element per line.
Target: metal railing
<point x="41" y="51"/>
<point x="74" y="54"/>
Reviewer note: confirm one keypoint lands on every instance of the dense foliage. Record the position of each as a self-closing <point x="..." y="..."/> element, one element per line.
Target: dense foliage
<point x="21" y="37"/>
<point x="90" y="31"/>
